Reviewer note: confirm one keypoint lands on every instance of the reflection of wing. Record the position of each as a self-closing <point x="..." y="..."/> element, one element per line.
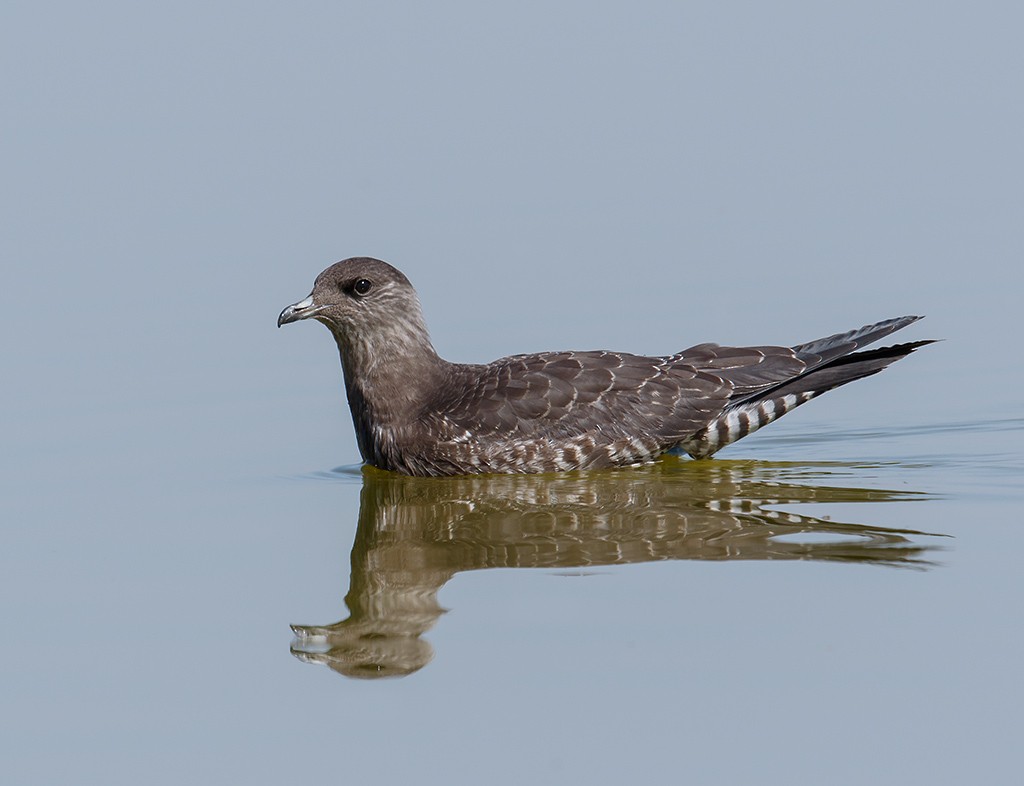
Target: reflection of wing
<point x="414" y="534"/>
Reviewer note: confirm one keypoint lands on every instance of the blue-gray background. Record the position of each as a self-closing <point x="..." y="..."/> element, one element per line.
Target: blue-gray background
<point x="637" y="176"/>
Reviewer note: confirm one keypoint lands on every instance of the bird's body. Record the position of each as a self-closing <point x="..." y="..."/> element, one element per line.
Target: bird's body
<point x="418" y="414"/>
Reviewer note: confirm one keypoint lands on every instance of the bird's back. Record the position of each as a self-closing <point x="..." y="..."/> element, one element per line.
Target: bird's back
<point x="558" y="411"/>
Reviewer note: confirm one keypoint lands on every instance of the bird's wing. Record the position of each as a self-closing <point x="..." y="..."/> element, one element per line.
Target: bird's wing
<point x="748" y="369"/>
<point x="824" y="350"/>
<point x="565" y="394"/>
<point x="752" y="370"/>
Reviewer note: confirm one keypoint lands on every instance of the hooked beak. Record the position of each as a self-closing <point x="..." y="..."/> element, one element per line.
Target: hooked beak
<point x="304" y="309"/>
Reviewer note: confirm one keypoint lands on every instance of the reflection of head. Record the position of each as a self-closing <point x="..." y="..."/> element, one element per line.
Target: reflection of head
<point x="370" y="654"/>
<point x="414" y="534"/>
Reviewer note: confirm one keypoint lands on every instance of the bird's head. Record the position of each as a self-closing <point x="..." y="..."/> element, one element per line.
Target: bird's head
<point x="369" y="306"/>
<point x="354" y="295"/>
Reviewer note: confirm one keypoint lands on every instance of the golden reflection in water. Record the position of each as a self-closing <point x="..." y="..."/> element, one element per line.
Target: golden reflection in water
<point x="414" y="534"/>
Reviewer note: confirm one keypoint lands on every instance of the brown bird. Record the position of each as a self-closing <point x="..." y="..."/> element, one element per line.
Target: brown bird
<point x="418" y="414"/>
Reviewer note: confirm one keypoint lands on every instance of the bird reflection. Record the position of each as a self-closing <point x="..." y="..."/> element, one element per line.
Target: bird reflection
<point x="414" y="534"/>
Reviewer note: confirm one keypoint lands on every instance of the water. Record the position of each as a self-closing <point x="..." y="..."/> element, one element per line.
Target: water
<point x="808" y="599"/>
<point x="194" y="592"/>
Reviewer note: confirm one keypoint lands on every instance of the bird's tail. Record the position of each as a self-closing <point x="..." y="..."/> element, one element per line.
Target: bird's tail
<point x="748" y="415"/>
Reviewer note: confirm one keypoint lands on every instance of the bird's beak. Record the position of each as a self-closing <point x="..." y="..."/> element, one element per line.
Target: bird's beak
<point x="304" y="309"/>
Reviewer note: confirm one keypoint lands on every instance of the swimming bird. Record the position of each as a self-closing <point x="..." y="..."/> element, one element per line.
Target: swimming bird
<point x="418" y="414"/>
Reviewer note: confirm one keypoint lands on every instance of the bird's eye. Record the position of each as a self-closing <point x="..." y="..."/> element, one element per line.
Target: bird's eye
<point x="362" y="286"/>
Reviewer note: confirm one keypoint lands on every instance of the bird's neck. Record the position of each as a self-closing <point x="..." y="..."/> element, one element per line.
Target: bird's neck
<point x="389" y="377"/>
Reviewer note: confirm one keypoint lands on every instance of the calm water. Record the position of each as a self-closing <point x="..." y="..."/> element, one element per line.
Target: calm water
<point x="195" y="592"/>
<point x="740" y="618"/>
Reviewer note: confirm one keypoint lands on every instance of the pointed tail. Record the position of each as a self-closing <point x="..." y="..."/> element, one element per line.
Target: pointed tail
<point x="748" y="415"/>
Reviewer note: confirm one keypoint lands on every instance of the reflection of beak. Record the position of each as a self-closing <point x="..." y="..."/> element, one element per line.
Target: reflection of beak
<point x="304" y="309"/>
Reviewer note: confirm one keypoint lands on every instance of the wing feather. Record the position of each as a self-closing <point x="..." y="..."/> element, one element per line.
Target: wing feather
<point x="618" y="407"/>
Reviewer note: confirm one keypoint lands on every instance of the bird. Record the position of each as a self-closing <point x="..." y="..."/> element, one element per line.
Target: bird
<point x="417" y="414"/>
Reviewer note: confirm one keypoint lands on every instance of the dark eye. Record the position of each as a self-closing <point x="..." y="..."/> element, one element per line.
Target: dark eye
<point x="362" y="286"/>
